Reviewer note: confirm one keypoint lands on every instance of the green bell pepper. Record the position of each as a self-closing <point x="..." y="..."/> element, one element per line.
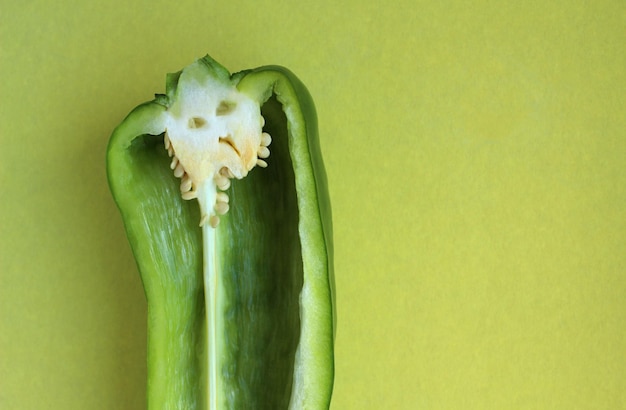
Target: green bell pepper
<point x="240" y="309"/>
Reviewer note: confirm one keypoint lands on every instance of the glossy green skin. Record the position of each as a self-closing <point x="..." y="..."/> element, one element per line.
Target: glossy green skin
<point x="275" y="245"/>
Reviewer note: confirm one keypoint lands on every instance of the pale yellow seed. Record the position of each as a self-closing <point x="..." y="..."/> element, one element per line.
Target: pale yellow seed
<point x="214" y="220"/>
<point x="263" y="152"/>
<point x="261" y="163"/>
<point x="174" y="163"/>
<point x="189" y="195"/>
<point x="179" y="171"/>
<point x="166" y="141"/>
<point x="185" y="184"/>
<point x="225" y="185"/>
<point x="266" y="139"/>
<point x="221" y="208"/>
<point x="204" y="219"/>
<point x="222" y="197"/>
<point x="222" y="182"/>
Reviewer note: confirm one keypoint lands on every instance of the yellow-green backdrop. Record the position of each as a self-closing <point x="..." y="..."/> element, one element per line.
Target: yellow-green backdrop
<point x="476" y="152"/>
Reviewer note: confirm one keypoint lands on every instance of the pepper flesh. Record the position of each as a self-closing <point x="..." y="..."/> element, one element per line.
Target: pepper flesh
<point x="272" y="341"/>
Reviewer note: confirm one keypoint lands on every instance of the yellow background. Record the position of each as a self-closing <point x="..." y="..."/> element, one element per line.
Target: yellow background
<point x="476" y="153"/>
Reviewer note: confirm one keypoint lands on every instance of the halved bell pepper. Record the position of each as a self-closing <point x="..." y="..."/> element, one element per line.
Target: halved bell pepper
<point x="240" y="308"/>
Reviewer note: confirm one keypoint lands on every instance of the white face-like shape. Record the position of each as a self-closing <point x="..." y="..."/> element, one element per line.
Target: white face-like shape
<point x="212" y="126"/>
<point x="214" y="133"/>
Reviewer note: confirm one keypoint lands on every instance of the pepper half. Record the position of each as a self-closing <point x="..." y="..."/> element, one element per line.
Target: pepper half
<point x="240" y="310"/>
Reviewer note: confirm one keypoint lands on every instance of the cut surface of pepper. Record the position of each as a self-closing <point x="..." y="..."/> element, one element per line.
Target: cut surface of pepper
<point x="240" y="309"/>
